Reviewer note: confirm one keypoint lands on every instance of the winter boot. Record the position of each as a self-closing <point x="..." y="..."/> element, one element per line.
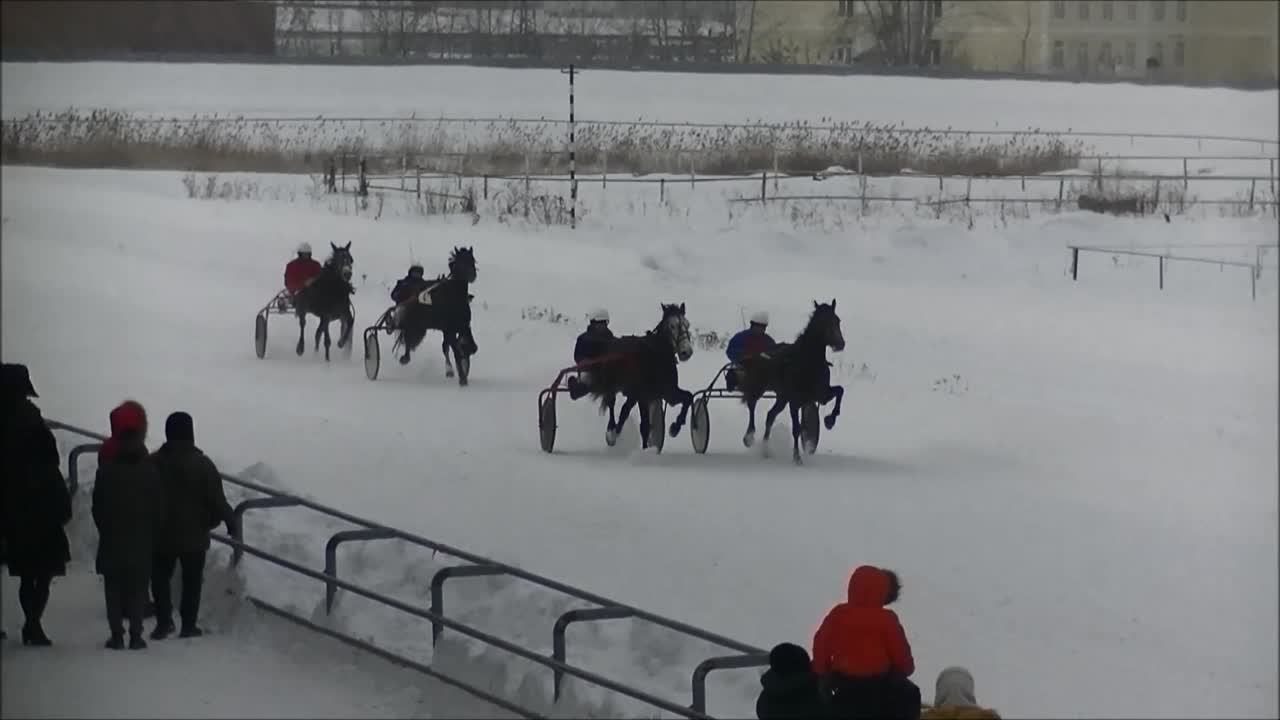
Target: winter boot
<point x="191" y="631"/>
<point x="576" y="388"/>
<point x="137" y="643"/>
<point x="34" y="635"/>
<point x="115" y="643"/>
<point x="163" y="629"/>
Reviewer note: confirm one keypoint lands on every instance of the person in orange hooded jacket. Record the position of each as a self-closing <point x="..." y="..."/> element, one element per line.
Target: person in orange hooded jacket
<point x="862" y="651"/>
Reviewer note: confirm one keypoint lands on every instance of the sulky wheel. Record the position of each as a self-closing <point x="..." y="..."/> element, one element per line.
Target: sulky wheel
<point x="700" y="426"/>
<point x="810" y="428"/>
<point x="547" y="422"/>
<point x="372" y="354"/>
<point x="260" y="335"/>
<point x="657" y="424"/>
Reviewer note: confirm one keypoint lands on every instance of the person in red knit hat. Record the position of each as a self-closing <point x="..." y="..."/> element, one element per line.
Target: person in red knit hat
<point x="862" y="651"/>
<point x="127" y="416"/>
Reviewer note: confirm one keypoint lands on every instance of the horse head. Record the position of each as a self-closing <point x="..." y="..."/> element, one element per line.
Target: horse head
<point x="462" y="264"/>
<point x="341" y="260"/>
<point x="675" y="327"/>
<point x="824" y="323"/>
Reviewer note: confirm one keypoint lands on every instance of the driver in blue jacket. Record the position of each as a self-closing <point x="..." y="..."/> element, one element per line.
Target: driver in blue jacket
<point x="406" y="289"/>
<point x="752" y="341"/>
<point x="592" y="343"/>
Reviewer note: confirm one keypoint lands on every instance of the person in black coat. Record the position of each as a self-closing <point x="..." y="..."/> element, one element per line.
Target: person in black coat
<point x="36" y="502"/>
<point x="790" y="686"/>
<point x="194" y="504"/>
<point x="592" y="343"/>
<point x="128" y="510"/>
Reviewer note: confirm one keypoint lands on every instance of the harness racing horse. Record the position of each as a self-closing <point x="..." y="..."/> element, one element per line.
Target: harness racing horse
<point x="328" y="297"/>
<point x="444" y="306"/>
<point x="798" y="373"/>
<point x="645" y="372"/>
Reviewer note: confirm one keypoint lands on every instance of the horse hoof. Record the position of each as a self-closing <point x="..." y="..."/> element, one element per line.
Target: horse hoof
<point x="404" y="359"/>
<point x="675" y="429"/>
<point x="462" y="381"/>
<point x="749" y="439"/>
<point x="448" y="373"/>
<point x="830" y="422"/>
<point x="796" y="458"/>
<point x="300" y="350"/>
<point x="610" y="437"/>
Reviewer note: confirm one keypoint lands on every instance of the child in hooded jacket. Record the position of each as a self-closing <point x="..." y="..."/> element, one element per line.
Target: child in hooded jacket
<point x="790" y="688"/>
<point x="863" y="653"/>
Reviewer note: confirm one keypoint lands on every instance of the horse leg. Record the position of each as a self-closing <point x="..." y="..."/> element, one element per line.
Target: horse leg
<point x="302" y="334"/>
<point x="320" y="327"/>
<point x="795" y="433"/>
<point x="325" y="325"/>
<point x="611" y="400"/>
<point x="837" y="391"/>
<point x="444" y="347"/>
<point x="749" y="438"/>
<point x="627" y="404"/>
<point x="685" y="400"/>
<point x="462" y="376"/>
<point x="644" y="426"/>
<point x="772" y="415"/>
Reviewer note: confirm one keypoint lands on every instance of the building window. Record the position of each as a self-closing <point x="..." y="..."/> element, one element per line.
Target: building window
<point x="1157" y="10"/>
<point x="846" y="8"/>
<point x="1104" y="54"/>
<point x="1108" y="11"/>
<point x="1082" y="58"/>
<point x="1059" y="9"/>
<point x="935" y="8"/>
<point x="1130" y="53"/>
<point x="935" y="52"/>
<point x="1179" y="52"/>
<point x="1181" y="10"/>
<point x="1157" y="53"/>
<point x="1059" y="55"/>
<point x="1131" y="11"/>
<point x="1082" y="7"/>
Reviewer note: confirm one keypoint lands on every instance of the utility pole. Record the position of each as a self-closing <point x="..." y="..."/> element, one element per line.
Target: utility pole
<point x="573" y="161"/>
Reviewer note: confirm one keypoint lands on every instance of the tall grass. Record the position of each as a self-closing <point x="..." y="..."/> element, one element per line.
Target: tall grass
<point x="113" y="139"/>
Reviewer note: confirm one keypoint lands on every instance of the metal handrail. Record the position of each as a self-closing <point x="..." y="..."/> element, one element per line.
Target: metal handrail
<point x="275" y="498"/>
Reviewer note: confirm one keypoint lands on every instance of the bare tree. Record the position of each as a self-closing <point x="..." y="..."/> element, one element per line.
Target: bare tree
<point x="903" y="29"/>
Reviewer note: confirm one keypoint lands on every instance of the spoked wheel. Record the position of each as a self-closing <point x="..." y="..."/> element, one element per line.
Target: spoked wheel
<point x="700" y="426"/>
<point x="260" y="335"/>
<point x="372" y="354"/>
<point x="810" y="428"/>
<point x="657" y="424"/>
<point x="547" y="422"/>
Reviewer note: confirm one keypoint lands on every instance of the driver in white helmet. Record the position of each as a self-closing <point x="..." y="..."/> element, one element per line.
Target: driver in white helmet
<point x="752" y="341"/>
<point x="592" y="343"/>
<point x="301" y="270"/>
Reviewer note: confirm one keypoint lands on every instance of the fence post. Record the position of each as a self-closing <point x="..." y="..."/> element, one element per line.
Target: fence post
<point x="1156" y="203"/>
<point x="662" y="190"/>
<point x="968" y="186"/>
<point x="1061" y="185"/>
<point x="1252" y="186"/>
<point x="344" y="172"/>
<point x="404" y="169"/>
<point x="1186" y="180"/>
<point x="939" y="186"/>
<point x="1024" y="183"/>
<point x="417" y="182"/>
<point x="1253" y="286"/>
<point x="1099" y="180"/>
<point x="859" y="162"/>
<point x="692" y="172"/>
<point x="485" y="184"/>
<point x="604" y="175"/>
<point x="864" y="194"/>
<point x="1075" y="263"/>
<point x="775" y="170"/>
<point x="764" y="185"/>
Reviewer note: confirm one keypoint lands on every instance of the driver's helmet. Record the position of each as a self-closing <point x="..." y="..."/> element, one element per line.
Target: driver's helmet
<point x="416" y="270"/>
<point x="304" y="249"/>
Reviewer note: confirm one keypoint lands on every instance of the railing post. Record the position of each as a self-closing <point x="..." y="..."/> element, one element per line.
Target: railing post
<point x="331" y="555"/>
<point x="1075" y="263"/>
<point x="1186" y="180"/>
<point x="262" y="503"/>
<point x="558" y="651"/>
<point x="728" y="662"/>
<point x="73" y="465"/>
<point x="1161" y="259"/>
<point x="764" y="185"/>
<point x="437" y="589"/>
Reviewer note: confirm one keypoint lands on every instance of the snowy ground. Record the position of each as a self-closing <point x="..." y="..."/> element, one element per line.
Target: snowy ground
<point x="1066" y="474"/>
<point x="248" y="665"/>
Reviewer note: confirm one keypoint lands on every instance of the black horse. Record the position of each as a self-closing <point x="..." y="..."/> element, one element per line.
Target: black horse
<point x="798" y="373"/>
<point x="644" y="370"/>
<point x="447" y="308"/>
<point x="328" y="297"/>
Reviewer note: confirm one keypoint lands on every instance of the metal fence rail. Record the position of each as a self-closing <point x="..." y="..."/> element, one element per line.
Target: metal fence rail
<point x="748" y="656"/>
<point x="1255" y="268"/>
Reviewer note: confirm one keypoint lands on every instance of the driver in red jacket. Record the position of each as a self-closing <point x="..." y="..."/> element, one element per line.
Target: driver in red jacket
<point x="301" y="270"/>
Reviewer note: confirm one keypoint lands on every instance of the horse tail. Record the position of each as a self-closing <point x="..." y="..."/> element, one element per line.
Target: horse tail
<point x="412" y="334"/>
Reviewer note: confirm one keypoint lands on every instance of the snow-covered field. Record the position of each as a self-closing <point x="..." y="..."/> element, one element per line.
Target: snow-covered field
<point x="1075" y="480"/>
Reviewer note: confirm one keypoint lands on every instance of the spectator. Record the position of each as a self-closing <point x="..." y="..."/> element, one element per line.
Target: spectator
<point x="863" y="650"/>
<point x="128" y="510"/>
<point x="790" y="687"/>
<point x="194" y="504"/>
<point x="36" y="503"/>
<point x="954" y="698"/>
<point x="129" y="414"/>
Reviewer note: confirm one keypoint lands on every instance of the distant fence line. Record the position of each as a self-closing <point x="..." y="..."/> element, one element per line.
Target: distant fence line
<point x="52" y="118"/>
